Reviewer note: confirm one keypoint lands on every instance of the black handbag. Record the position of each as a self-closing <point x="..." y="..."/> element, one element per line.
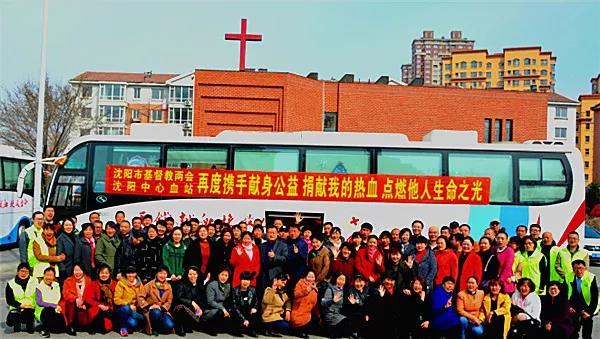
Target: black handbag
<point x="526" y="328"/>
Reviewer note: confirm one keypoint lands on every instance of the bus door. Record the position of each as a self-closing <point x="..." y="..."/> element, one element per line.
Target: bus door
<point x="68" y="193"/>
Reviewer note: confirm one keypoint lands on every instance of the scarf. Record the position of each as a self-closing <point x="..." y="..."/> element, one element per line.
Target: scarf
<point x="92" y="243"/>
<point x="314" y="253"/>
<point x="221" y="286"/>
<point x="249" y="251"/>
<point x="420" y="255"/>
<point x="106" y="294"/>
<point x="49" y="239"/>
<point x="371" y="252"/>
<point x="160" y="286"/>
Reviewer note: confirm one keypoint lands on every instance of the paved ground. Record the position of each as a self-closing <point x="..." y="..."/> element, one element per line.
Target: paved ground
<point x="9" y="258"/>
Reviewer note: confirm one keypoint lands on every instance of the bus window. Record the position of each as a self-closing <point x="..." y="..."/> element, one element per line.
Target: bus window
<point x="267" y="159"/>
<point x="1" y="176"/>
<point x="68" y="191"/>
<point x="543" y="181"/>
<point x="553" y="170"/>
<point x="530" y="169"/>
<point x="409" y="163"/>
<point x="542" y="193"/>
<point x="337" y="161"/>
<point x="77" y="159"/>
<point x="496" y="166"/>
<point x="128" y="155"/>
<point x="197" y="157"/>
<point x="11" y="171"/>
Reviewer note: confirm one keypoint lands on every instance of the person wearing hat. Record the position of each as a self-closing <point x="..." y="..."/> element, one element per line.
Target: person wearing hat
<point x="355" y="306"/>
<point x="106" y="246"/>
<point x="127" y="292"/>
<point x="244" y="306"/>
<point x="319" y="259"/>
<point x="276" y="307"/>
<point x="188" y="302"/>
<point x="583" y="297"/>
<point x="155" y="302"/>
<point x="20" y="297"/>
<point x="369" y="261"/>
<point x="148" y="255"/>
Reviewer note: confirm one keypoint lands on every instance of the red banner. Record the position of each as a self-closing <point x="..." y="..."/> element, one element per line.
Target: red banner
<point x="206" y="183"/>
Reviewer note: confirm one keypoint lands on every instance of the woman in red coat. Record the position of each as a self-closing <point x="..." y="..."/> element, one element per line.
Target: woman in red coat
<point x="344" y="263"/>
<point x="245" y="256"/>
<point x="369" y="261"/>
<point x="80" y="300"/>
<point x="469" y="264"/>
<point x="447" y="261"/>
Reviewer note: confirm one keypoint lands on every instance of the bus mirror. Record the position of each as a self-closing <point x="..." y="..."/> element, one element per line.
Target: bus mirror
<point x="21" y="179"/>
<point x="61" y="160"/>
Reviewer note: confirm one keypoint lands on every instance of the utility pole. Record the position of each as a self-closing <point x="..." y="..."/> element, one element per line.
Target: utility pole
<point x="39" y="143"/>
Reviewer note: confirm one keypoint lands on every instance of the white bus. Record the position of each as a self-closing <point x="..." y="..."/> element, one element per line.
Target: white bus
<point x="15" y="210"/>
<point x="533" y="182"/>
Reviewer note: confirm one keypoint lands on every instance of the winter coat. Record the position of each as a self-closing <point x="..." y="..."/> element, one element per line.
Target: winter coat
<point x="220" y="255"/>
<point x="489" y="266"/>
<point x="66" y="246"/>
<point x="216" y="298"/>
<point x="193" y="257"/>
<point x="447" y="265"/>
<point x="148" y="258"/>
<point x="186" y="293"/>
<point x="442" y="318"/>
<point x="83" y="254"/>
<point x="242" y="262"/>
<point x="320" y="263"/>
<point x="91" y="299"/>
<point x="274" y="305"/>
<point x="502" y="310"/>
<point x="344" y="266"/>
<point x="151" y="296"/>
<point x="241" y="305"/>
<point x="506" y="259"/>
<point x="427" y="268"/>
<point x="106" y="250"/>
<point x="368" y="267"/>
<point x="402" y="274"/>
<point x="125" y="256"/>
<point x="272" y="267"/>
<point x="126" y="294"/>
<point x="556" y="311"/>
<point x="172" y="257"/>
<point x="470" y="267"/>
<point x="296" y="263"/>
<point x="107" y="293"/>
<point x="304" y="302"/>
<point x="332" y="310"/>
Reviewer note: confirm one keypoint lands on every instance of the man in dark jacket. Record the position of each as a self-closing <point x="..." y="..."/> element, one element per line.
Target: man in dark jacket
<point x="297" y="254"/>
<point x="125" y="256"/>
<point x="273" y="255"/>
<point x="583" y="298"/>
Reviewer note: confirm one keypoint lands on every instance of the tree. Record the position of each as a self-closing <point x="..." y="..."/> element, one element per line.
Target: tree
<point x="18" y="117"/>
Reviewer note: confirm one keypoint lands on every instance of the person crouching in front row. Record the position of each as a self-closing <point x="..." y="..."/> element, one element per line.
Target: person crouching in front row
<point x="80" y="299"/>
<point x="276" y="307"/>
<point x="155" y="303"/>
<point x="244" y="306"/>
<point x="127" y="292"/>
<point x="20" y="297"/>
<point x="188" y="302"/>
<point x="48" y="310"/>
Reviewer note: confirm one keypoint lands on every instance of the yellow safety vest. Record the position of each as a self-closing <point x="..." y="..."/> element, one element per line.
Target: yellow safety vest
<point x="566" y="258"/>
<point x="40" y="266"/>
<point x="26" y="296"/>
<point x="530" y="266"/>
<point x="586" y="284"/>
<point x="49" y="293"/>
<point x="33" y="233"/>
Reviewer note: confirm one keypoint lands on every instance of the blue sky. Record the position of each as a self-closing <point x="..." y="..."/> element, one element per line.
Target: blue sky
<point x="368" y="39"/>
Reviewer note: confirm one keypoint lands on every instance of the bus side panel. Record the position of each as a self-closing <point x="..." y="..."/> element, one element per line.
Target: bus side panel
<point x="14" y="212"/>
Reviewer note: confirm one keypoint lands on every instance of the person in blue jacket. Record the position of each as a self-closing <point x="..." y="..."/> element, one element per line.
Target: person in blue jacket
<point x="444" y="319"/>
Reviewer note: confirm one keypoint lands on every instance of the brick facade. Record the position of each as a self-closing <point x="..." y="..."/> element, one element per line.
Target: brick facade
<point x="268" y="101"/>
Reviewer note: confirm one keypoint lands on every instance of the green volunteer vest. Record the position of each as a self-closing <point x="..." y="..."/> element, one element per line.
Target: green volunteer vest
<point x="531" y="267"/>
<point x="586" y="284"/>
<point x="566" y="258"/>
<point x="40" y="266"/>
<point x="21" y="296"/>
<point x="50" y="294"/>
<point x="32" y="234"/>
<point x="554" y="276"/>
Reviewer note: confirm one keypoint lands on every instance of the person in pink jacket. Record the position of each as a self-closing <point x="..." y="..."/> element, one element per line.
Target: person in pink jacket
<point x="506" y="258"/>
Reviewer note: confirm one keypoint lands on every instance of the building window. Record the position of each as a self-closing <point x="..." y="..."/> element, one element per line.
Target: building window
<point x="498" y="130"/>
<point x="544" y="82"/>
<point x="501" y="74"/>
<point x="180" y="115"/>
<point x="114" y="114"/>
<point x="110" y="130"/>
<point x="516" y="72"/>
<point x="488" y="74"/>
<point x="180" y="93"/>
<point x="488" y="84"/>
<point x="508" y="130"/>
<point x="86" y="91"/>
<point x="473" y="74"/>
<point x="587" y="126"/>
<point x="136" y="92"/>
<point x="560" y="132"/>
<point x="500" y="84"/>
<point x="474" y="84"/>
<point x="448" y="67"/>
<point x="85" y="131"/>
<point x="544" y="62"/>
<point x="156" y="115"/>
<point x="463" y="65"/>
<point x="587" y="164"/>
<point x="135" y="114"/>
<point x="501" y="64"/>
<point x="561" y="112"/>
<point x="587" y="151"/>
<point x="544" y="72"/>
<point x="516" y="82"/>
<point x="587" y="176"/>
<point x="330" y="122"/>
<point x="516" y="62"/>
<point x="463" y="74"/>
<point x="527" y="61"/>
<point x="488" y="65"/>
<point x="447" y="76"/>
<point x="112" y="92"/>
<point x="527" y="82"/>
<point x="526" y="72"/>
<point x="157" y="94"/>
<point x="487" y="130"/>
<point x="473" y="64"/>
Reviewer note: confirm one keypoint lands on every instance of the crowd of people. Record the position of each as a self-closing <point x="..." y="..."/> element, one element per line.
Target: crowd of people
<point x="298" y="279"/>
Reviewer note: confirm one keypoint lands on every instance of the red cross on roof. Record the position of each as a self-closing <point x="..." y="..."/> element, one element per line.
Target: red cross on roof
<point x="243" y="37"/>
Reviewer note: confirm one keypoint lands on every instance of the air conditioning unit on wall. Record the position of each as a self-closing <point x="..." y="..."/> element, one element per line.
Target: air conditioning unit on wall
<point x="188" y="103"/>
